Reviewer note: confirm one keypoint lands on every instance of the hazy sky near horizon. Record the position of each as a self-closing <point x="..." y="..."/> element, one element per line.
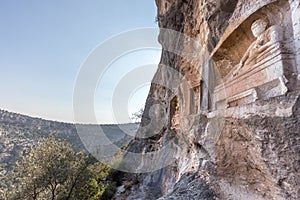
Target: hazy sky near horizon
<point x="44" y="43"/>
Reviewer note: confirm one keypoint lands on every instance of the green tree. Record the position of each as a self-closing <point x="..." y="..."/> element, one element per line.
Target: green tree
<point x="137" y="116"/>
<point x="52" y="170"/>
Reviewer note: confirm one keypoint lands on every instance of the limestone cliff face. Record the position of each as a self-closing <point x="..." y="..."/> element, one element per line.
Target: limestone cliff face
<point x="236" y="122"/>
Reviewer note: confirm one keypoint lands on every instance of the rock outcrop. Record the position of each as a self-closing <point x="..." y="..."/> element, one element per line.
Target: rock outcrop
<point x="231" y="104"/>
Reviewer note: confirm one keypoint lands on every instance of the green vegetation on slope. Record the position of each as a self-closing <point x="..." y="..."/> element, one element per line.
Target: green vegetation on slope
<point x="18" y="133"/>
<point x="52" y="170"/>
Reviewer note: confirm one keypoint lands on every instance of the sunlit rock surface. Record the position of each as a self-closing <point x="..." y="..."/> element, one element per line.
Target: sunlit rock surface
<point x="236" y="119"/>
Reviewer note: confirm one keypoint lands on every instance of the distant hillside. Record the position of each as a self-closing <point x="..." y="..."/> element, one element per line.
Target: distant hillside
<point x="19" y="131"/>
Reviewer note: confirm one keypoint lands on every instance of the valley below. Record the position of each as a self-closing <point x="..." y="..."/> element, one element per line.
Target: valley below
<point x="18" y="132"/>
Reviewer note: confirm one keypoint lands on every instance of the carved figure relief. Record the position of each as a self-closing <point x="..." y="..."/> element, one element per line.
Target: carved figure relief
<point x="252" y="61"/>
<point x="267" y="42"/>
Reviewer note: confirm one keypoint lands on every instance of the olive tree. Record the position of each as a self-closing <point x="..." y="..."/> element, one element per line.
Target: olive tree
<point x="52" y="170"/>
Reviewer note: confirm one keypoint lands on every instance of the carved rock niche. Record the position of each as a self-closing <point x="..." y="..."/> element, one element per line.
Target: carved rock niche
<point x="191" y="89"/>
<point x="174" y="113"/>
<point x="253" y="60"/>
<point x="194" y="100"/>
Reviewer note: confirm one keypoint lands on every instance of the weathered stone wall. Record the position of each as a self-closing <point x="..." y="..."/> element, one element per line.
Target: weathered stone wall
<point x="295" y="5"/>
<point x="246" y="151"/>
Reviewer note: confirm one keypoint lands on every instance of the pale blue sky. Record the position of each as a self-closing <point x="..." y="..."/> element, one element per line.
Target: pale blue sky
<point x="43" y="44"/>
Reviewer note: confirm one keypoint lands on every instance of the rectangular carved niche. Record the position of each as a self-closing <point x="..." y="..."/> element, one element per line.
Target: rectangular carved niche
<point x="194" y="100"/>
<point x="174" y="113"/>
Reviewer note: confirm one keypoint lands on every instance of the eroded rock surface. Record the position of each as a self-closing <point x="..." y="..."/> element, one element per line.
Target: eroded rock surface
<point x="236" y="128"/>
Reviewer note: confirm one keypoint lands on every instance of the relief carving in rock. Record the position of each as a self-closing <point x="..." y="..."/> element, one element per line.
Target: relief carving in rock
<point x="251" y="63"/>
<point x="267" y="42"/>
